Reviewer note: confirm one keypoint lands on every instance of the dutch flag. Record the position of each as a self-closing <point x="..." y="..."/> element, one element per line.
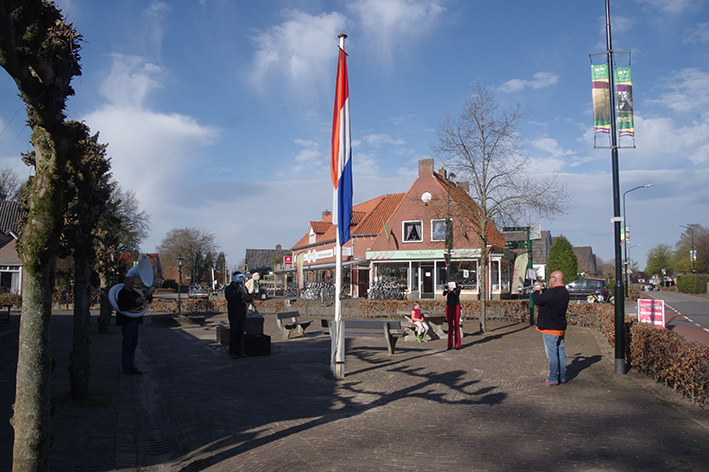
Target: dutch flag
<point x="341" y="152"/>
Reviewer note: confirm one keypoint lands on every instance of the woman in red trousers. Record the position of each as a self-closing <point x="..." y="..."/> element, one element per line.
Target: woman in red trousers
<point x="452" y="294"/>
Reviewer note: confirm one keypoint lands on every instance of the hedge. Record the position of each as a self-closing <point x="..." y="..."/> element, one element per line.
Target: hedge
<point x="692" y="283"/>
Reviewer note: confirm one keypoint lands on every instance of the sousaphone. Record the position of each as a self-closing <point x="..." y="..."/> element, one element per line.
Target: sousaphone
<point x="144" y="270"/>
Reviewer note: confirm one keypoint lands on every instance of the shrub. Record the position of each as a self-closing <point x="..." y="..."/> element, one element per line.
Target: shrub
<point x="692" y="283"/>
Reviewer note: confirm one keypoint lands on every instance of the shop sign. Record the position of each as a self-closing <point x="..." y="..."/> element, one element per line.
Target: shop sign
<point x="313" y="255"/>
<point x="422" y="254"/>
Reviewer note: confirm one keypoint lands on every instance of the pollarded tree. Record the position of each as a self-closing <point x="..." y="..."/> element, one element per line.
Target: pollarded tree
<point x="40" y="51"/>
<point x="562" y="257"/>
<point x="658" y="258"/>
<point x="482" y="146"/>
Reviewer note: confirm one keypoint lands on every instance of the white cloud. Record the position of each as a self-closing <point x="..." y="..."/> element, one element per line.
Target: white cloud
<point x="540" y="80"/>
<point x="158" y="9"/>
<point x="555" y="161"/>
<point x="302" y="50"/>
<point x="397" y="120"/>
<point x="671" y="6"/>
<point x="378" y="140"/>
<point x="387" y="21"/>
<point x="151" y="152"/>
<point x="698" y="33"/>
<point x="689" y="91"/>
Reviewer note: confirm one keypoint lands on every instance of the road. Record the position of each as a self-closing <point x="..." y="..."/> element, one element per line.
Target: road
<point x="687" y="315"/>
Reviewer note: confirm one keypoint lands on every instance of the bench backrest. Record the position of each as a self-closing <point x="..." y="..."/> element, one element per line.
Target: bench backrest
<point x="287" y="314"/>
<point x="366" y="324"/>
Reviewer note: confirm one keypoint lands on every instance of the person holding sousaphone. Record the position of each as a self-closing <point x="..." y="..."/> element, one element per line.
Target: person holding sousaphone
<point x="131" y="305"/>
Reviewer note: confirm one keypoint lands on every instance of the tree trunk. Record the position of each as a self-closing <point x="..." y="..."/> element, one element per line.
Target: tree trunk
<point x="32" y="409"/>
<point x="80" y="356"/>
<point x="104" y="317"/>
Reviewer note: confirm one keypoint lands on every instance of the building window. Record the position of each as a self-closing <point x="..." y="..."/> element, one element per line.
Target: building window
<point x="438" y="230"/>
<point x="412" y="231"/>
<point x="312" y="236"/>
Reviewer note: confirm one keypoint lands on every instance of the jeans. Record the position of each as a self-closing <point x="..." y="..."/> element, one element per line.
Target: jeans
<point x="130" y="342"/>
<point x="554" y="348"/>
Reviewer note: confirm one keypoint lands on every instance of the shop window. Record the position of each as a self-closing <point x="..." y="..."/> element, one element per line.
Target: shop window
<point x="466" y="273"/>
<point x="413" y="231"/>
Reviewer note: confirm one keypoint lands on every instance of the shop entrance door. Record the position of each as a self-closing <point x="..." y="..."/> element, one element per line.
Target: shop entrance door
<point x="428" y="286"/>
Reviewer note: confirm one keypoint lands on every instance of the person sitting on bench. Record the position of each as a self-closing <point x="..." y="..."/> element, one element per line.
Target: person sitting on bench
<point x="421" y="325"/>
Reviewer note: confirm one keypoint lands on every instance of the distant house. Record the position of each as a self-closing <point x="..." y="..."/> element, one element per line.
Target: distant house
<point x="10" y="263"/>
<point x="262" y="260"/>
<point x="587" y="261"/>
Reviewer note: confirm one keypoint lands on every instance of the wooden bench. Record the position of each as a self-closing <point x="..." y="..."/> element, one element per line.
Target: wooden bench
<point x="390" y="330"/>
<point x="292" y="326"/>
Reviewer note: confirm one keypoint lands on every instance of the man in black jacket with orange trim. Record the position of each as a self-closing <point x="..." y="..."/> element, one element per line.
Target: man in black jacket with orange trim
<point x="551" y="322"/>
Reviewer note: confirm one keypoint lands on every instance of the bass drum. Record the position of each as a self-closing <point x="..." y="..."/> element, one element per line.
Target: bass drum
<point x="113" y="300"/>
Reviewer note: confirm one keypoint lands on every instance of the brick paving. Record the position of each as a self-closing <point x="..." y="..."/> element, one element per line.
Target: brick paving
<point x="421" y="409"/>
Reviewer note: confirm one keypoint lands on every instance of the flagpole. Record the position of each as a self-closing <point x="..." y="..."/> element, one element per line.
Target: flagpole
<point x="338" y="340"/>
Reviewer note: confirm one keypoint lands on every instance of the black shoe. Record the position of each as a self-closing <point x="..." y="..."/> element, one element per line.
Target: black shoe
<point x="127" y="371"/>
<point x="135" y="371"/>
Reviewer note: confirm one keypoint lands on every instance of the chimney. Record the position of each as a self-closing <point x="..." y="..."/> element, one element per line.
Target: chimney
<point x="326" y="213"/>
<point x="278" y="247"/>
<point x="425" y="168"/>
<point x="443" y="173"/>
<point x="464" y="186"/>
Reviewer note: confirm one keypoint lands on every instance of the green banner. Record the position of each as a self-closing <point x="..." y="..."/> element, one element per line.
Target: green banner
<point x="624" y="101"/>
<point x="601" y="99"/>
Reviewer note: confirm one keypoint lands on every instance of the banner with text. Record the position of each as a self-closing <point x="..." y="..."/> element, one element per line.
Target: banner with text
<point x="624" y="101"/>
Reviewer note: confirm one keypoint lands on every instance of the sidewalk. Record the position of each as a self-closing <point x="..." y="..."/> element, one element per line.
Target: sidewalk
<point x="423" y="408"/>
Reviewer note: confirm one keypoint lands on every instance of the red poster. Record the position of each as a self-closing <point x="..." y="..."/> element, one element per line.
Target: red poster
<point x="651" y="311"/>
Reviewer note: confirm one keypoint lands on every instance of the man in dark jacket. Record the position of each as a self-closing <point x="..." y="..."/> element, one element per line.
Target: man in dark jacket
<point x="237" y="298"/>
<point x="551" y="322"/>
<point x="127" y="300"/>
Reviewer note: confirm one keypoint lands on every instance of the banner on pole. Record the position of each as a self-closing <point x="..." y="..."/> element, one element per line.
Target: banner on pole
<point x="600" y="99"/>
<point x="624" y="101"/>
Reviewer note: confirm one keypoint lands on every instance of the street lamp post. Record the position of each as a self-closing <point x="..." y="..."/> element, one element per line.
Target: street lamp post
<point x="180" y="260"/>
<point x="691" y="255"/>
<point x="625" y="238"/>
<point x="449" y="230"/>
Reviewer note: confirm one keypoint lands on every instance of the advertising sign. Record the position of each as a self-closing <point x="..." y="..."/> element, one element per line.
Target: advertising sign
<point x="288" y="259"/>
<point x="651" y="311"/>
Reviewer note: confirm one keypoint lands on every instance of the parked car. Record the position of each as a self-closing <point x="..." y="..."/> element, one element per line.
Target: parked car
<point x="197" y="291"/>
<point x="582" y="288"/>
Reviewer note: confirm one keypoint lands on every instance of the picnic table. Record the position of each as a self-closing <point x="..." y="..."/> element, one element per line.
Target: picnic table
<point x="436" y="320"/>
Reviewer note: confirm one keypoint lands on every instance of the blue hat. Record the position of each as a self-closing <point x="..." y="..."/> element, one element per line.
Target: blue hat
<point x="239" y="278"/>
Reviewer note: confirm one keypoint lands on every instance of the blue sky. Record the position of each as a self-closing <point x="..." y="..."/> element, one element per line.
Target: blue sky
<point x="218" y="113"/>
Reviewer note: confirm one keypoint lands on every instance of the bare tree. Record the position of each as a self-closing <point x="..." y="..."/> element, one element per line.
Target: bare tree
<point x="40" y="51"/>
<point x="197" y="246"/>
<point x="483" y="146"/>
<point x="10" y="184"/>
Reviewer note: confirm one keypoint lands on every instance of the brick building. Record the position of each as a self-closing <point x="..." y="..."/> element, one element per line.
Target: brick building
<point x="402" y="238"/>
